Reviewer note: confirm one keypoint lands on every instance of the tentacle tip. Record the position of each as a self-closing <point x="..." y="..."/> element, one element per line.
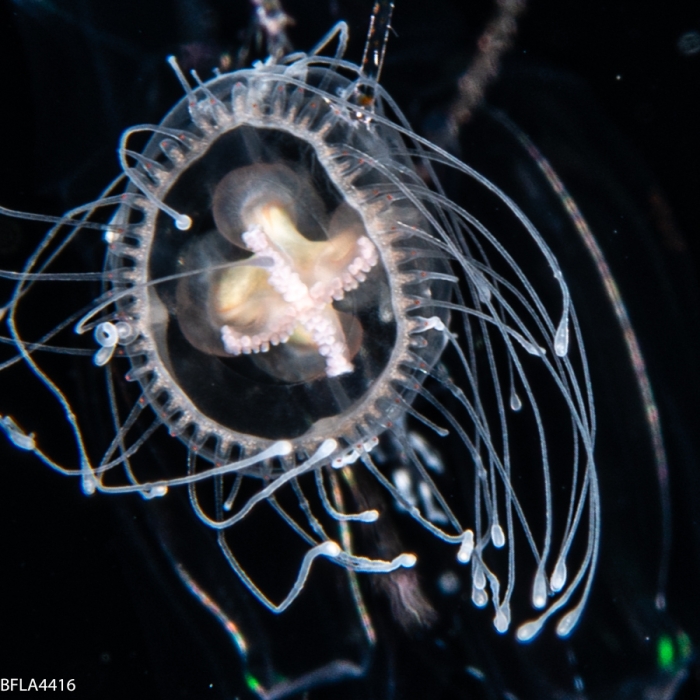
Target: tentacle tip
<point x="539" y="590"/>
<point x="464" y="554"/>
<point x="330" y="549"/>
<point x="528" y="631"/>
<point x="281" y="448"/>
<point x="326" y="448"/>
<point x="155" y="491"/>
<point x="25" y="441"/>
<point x="561" y="339"/>
<point x="568" y="622"/>
<point x="407" y="561"/>
<point x="103" y="355"/>
<point x="89" y="485"/>
<point x="497" y="536"/>
<point x="558" y="579"/>
<point x="501" y="621"/>
<point x="183" y="222"/>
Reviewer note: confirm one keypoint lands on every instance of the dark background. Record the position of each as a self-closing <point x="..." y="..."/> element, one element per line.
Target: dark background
<point x="75" y="74"/>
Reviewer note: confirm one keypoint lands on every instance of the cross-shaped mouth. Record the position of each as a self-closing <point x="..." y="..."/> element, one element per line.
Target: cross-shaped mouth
<point x="290" y="299"/>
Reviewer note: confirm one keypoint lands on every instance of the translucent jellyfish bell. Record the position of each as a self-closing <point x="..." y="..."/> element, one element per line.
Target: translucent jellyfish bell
<point x="295" y="298"/>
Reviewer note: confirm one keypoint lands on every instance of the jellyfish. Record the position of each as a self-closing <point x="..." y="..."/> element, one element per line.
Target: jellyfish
<point x="324" y="336"/>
